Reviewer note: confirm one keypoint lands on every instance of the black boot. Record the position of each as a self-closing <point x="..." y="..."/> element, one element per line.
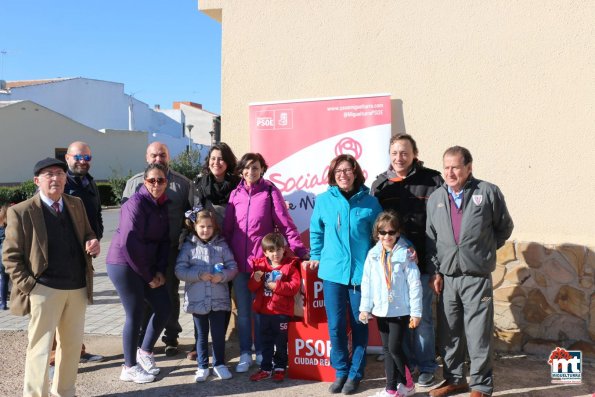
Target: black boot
<point x="337" y="385"/>
<point x="350" y="386"/>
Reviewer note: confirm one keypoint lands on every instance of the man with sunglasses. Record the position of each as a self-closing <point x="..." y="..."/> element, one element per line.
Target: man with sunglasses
<point x="80" y="183"/>
<point x="180" y="195"/>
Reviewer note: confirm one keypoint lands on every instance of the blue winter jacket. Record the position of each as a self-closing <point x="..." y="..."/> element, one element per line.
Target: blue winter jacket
<point x="341" y="234"/>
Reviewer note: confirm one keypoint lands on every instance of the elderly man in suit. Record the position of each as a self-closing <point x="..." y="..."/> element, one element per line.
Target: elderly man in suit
<point x="47" y="252"/>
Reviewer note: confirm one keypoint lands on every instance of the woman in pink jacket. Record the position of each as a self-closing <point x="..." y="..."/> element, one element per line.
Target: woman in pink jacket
<point x="256" y="207"/>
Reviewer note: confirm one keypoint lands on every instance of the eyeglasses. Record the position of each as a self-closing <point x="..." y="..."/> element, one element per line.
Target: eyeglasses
<point x="346" y="171"/>
<point x="385" y="232"/>
<point x="79" y="157"/>
<point x="50" y="175"/>
<point x="159" y="181"/>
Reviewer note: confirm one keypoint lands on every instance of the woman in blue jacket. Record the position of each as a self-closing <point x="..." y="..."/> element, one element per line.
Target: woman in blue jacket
<point x="340" y="238"/>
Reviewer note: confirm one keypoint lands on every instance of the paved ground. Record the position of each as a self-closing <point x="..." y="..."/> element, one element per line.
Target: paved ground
<point x="515" y="376"/>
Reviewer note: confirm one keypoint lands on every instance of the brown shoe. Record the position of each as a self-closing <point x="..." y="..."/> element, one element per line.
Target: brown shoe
<point x="192" y="355"/>
<point x="451" y="386"/>
<point x="476" y="393"/>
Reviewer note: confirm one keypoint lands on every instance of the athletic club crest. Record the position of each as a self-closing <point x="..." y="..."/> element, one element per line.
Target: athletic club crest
<point x="477" y="199"/>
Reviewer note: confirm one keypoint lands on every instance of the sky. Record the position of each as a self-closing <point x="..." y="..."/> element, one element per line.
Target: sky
<point x="161" y="50"/>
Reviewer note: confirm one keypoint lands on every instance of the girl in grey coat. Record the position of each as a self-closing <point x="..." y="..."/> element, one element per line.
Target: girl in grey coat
<point x="206" y="265"/>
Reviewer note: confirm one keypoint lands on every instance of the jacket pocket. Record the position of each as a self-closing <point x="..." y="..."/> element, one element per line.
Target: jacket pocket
<point x="19" y="302"/>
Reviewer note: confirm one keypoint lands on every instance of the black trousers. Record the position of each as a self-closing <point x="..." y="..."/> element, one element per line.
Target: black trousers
<point x="392" y="333"/>
<point x="273" y="334"/>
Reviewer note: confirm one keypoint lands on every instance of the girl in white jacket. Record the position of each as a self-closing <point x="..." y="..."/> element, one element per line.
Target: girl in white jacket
<point x="206" y="264"/>
<point x="391" y="291"/>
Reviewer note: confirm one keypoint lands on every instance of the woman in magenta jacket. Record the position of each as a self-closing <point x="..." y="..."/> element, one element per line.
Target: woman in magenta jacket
<point x="255" y="208"/>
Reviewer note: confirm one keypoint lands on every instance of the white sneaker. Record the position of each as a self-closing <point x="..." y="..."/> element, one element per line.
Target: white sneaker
<point x="406" y="391"/>
<point x="135" y="374"/>
<point x="245" y="362"/>
<point x="147" y="361"/>
<point x="258" y="359"/>
<point x="384" y="393"/>
<point x="222" y="372"/>
<point x="202" y="374"/>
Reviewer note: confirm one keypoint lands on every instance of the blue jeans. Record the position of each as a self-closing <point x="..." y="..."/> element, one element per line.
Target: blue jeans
<point x="342" y="302"/>
<point x="420" y="345"/>
<point x="133" y="292"/>
<point x="246" y="317"/>
<point x="215" y="320"/>
<point x="3" y="283"/>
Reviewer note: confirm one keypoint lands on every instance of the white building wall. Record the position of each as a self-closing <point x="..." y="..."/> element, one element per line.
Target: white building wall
<point x="97" y="104"/>
<point x="30" y="132"/>
<point x="103" y="105"/>
<point x="94" y="103"/>
<point x="202" y="121"/>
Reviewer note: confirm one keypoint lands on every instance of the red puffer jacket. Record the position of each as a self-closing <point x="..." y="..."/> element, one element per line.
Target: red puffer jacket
<point x="279" y="301"/>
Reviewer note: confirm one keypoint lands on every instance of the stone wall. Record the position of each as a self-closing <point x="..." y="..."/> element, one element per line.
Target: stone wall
<point x="544" y="297"/>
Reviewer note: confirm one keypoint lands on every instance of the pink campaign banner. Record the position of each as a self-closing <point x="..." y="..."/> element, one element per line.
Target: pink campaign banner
<point x="299" y="138"/>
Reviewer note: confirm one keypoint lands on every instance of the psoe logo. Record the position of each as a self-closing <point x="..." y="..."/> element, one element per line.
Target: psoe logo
<point x="284" y="119"/>
<point x="566" y="365"/>
<point x="265" y="120"/>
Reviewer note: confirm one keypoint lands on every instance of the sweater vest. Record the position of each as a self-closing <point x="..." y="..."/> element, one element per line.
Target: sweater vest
<point x="456" y="217"/>
<point x="66" y="262"/>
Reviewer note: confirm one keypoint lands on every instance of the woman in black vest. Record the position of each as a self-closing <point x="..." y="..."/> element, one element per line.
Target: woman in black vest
<point x="211" y="191"/>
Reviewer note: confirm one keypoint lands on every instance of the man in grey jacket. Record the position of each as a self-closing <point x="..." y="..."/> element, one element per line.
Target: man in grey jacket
<point x="180" y="194"/>
<point x="467" y="222"/>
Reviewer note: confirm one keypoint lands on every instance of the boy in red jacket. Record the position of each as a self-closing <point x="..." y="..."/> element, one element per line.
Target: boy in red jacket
<point x="275" y="280"/>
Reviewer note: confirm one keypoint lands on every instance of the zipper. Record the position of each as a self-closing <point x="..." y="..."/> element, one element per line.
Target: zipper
<point x="246" y="230"/>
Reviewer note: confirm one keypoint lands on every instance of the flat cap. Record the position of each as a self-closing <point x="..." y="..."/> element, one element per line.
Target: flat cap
<point x="48" y="162"/>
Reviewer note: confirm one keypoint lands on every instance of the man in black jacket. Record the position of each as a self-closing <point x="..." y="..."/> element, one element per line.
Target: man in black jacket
<point x="405" y="188"/>
<point x="80" y="183"/>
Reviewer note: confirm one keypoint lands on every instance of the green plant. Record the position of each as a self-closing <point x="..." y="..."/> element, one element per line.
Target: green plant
<point x="28" y="189"/>
<point x="10" y="194"/>
<point x="118" y="183"/>
<point x="187" y="163"/>
<point x="16" y="194"/>
<point x="106" y="193"/>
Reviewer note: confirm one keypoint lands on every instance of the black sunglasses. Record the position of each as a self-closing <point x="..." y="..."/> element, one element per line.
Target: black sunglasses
<point x="159" y="181"/>
<point x="385" y="232"/>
